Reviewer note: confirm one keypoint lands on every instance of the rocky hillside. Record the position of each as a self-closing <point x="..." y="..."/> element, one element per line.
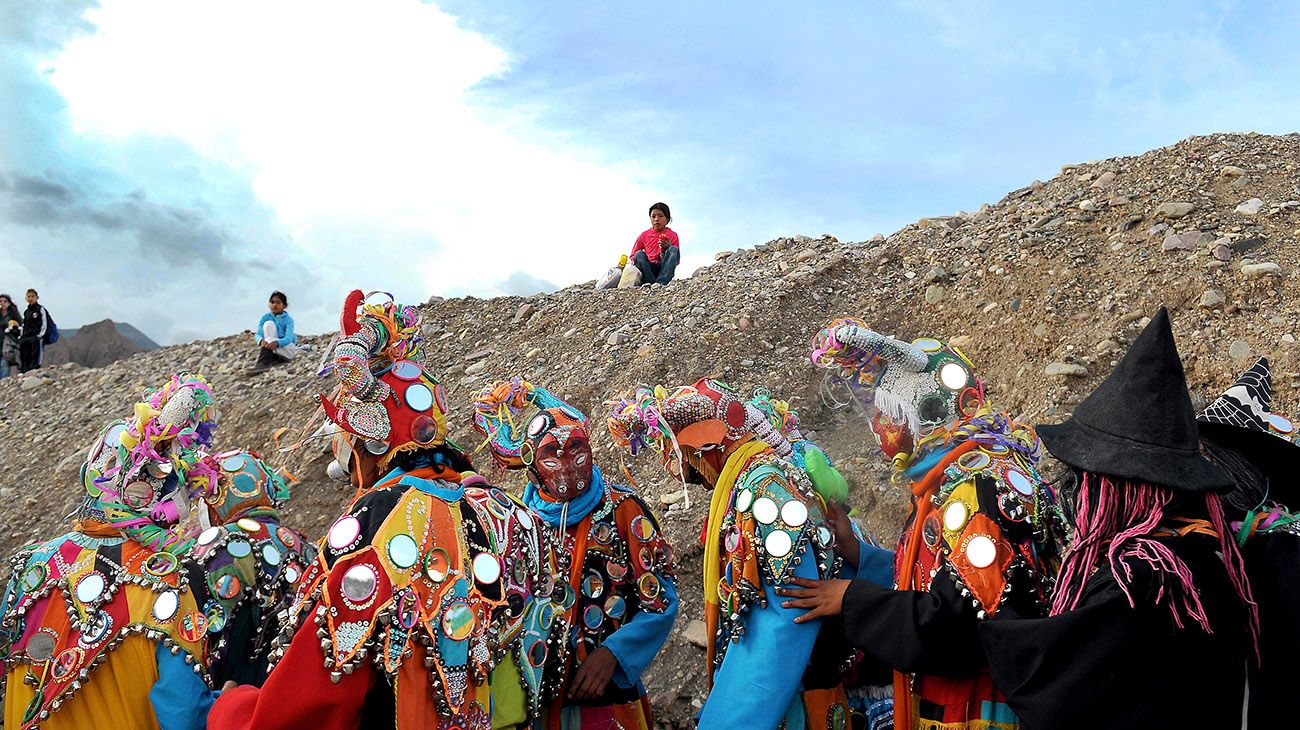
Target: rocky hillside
<point x="1043" y="289"/>
<point x="96" y="345"/>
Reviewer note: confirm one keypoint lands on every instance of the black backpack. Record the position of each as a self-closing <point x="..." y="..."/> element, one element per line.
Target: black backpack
<point x="51" y="330"/>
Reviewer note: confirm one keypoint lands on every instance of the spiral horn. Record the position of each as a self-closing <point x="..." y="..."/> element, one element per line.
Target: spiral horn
<point x="904" y="354"/>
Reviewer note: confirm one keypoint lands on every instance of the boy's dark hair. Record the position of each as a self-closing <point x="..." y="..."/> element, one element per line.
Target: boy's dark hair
<point x="32" y="291"/>
<point x="7" y="298"/>
<point x="280" y="295"/>
<point x="663" y="208"/>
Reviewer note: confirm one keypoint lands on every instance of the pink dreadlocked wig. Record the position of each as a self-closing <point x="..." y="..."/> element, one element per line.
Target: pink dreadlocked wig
<point x="1121" y="517"/>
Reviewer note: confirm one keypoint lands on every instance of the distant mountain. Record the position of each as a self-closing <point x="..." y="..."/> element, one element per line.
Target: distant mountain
<point x="140" y="339"/>
<point x="96" y="345"/>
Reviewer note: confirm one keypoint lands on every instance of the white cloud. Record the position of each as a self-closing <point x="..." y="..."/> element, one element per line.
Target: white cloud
<point x="358" y="124"/>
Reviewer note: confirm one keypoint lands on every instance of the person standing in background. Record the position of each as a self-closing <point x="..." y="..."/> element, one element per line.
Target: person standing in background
<point x="11" y="322"/>
<point x="31" y="342"/>
<point x="657" y="250"/>
<point x="275" y="335"/>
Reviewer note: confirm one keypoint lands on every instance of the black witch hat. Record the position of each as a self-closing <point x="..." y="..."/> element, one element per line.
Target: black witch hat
<point x="1139" y="422"/>
<point x="1242" y="419"/>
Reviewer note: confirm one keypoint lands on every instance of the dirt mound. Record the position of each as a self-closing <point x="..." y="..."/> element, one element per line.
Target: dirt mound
<point x="1043" y="289"/>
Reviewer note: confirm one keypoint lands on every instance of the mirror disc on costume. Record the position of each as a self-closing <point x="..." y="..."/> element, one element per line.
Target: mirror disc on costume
<point x="973" y="460"/>
<point x="519" y="573"/>
<point x="239" y="548"/>
<point x="744" y="499"/>
<point x="501" y="498"/>
<point x="227" y="586"/>
<point x="91" y="588"/>
<point x="546" y="586"/>
<point x="593" y="617"/>
<point x="214" y="615"/>
<point x="1280" y="423"/>
<point x="953" y="376"/>
<point x="778" y="543"/>
<point x="159" y="469"/>
<point x="537" y="425"/>
<point x="286" y="536"/>
<point x="837" y="718"/>
<point x="615" y="570"/>
<point x="1020" y="482"/>
<point x="406" y="370"/>
<point x="731" y="539"/>
<point x="642" y="528"/>
<point x="981" y="551"/>
<point x="424" y="430"/>
<point x="616" y="607"/>
<point x="249" y="525"/>
<point x="66" y="663"/>
<point x="525" y="519"/>
<point x="437" y="565"/>
<point x="458" y="622"/>
<point x="97" y="628"/>
<point x="563" y="595"/>
<point x="137" y="494"/>
<point x="244" y="485"/>
<point x="487" y="568"/>
<point x="359" y="582"/>
<point x="41" y="646"/>
<point x="825" y="538"/>
<point x="603" y="533"/>
<point x="765" y="510"/>
<point x="645" y="559"/>
<point x="954" y="516"/>
<point x="376" y="447"/>
<point x="408" y="609"/>
<point x="545" y="615"/>
<point x="928" y="344"/>
<point x="497" y="509"/>
<point x="649" y="586"/>
<point x="537" y="654"/>
<point x="996" y="449"/>
<point x="344" y="532"/>
<point x="931" y="531"/>
<point x="233" y="463"/>
<point x="209" y="536"/>
<point x="166" y="605"/>
<point x="794" y="513"/>
<point x="271" y="555"/>
<point x="593" y="586"/>
<point x="34" y="577"/>
<point x="113" y="436"/>
<point x="419" y="397"/>
<point x="193" y="626"/>
<point x="291" y="574"/>
<point x="403" y="551"/>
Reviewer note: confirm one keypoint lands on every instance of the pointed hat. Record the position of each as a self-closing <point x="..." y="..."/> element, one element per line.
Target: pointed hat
<point x="1139" y="422"/>
<point x="1242" y="419"/>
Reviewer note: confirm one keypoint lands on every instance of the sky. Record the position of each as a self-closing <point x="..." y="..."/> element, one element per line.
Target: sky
<point x="169" y="163"/>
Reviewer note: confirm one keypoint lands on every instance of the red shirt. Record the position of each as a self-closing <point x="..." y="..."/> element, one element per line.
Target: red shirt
<point x="654" y="242"/>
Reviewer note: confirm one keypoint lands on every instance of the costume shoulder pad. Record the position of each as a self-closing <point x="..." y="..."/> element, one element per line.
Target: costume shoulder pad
<point x="777" y="507"/>
<point x="998" y="524"/>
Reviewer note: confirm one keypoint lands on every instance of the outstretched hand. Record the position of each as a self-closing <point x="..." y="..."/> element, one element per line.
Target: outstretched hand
<point x="822" y="597"/>
<point x="594" y="675"/>
<point x="230" y="684"/>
